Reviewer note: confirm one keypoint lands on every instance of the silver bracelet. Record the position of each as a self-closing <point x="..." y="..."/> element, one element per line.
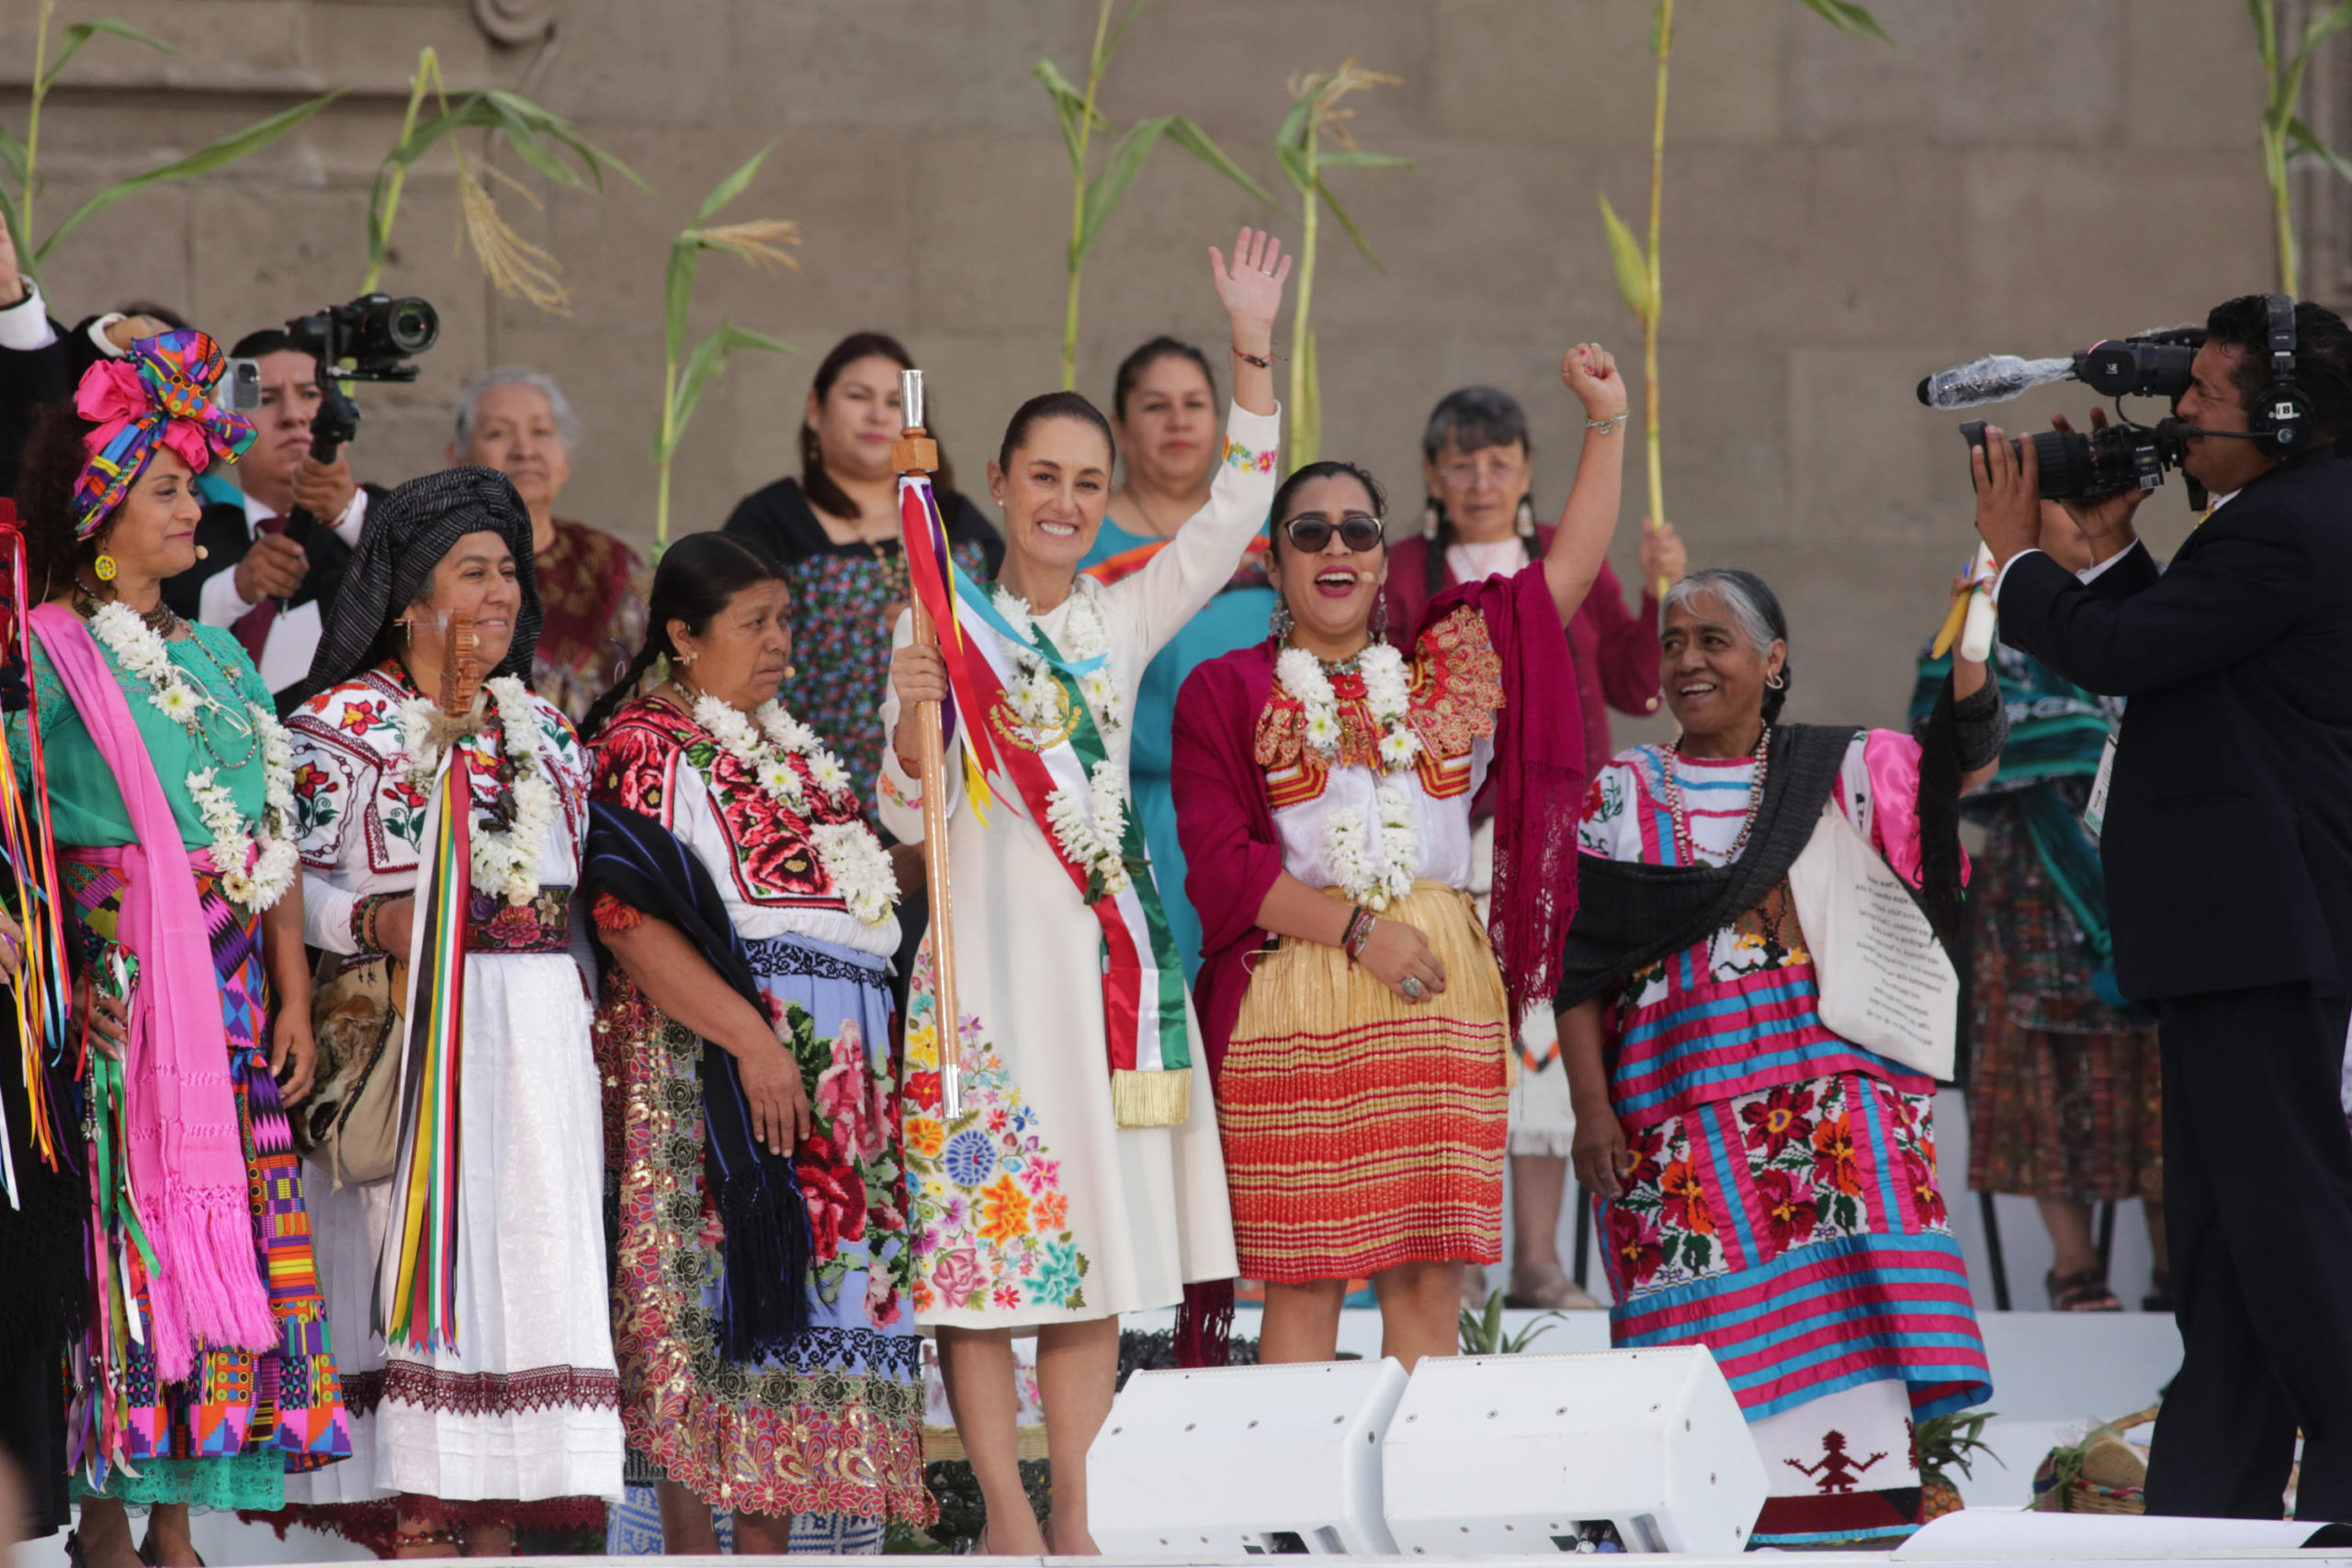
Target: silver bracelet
<point x="1607" y="426"/>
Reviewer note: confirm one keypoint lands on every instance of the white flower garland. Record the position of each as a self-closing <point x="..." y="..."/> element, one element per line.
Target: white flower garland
<point x="1093" y="833"/>
<point x="507" y="861"/>
<point x="1034" y="694"/>
<point x="1388" y="693"/>
<point x="1346" y="846"/>
<point x="255" y="869"/>
<point x="855" y="861"/>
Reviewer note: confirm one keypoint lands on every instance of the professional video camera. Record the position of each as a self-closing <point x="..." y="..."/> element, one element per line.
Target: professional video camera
<point x="373" y="338"/>
<point x="2088" y="465"/>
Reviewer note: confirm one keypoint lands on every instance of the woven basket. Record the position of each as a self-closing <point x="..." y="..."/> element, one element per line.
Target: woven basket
<point x="2117" y="1488"/>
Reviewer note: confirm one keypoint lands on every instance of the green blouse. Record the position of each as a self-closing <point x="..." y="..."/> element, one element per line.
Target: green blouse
<point x="85" y="805"/>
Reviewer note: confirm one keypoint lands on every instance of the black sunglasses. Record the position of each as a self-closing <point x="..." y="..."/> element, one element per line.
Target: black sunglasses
<point x="1310" y="532"/>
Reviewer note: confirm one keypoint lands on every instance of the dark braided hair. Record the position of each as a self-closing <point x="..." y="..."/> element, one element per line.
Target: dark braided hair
<point x="699" y="576"/>
<point x="823" y="492"/>
<point x="1473" y="418"/>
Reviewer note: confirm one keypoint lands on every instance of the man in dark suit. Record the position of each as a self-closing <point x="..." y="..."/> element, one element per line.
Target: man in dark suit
<point x="2228" y="848"/>
<point x="268" y="577"/>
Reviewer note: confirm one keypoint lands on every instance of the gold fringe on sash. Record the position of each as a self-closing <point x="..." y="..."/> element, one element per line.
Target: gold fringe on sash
<point x="1308" y="988"/>
<point x="1150" y="1099"/>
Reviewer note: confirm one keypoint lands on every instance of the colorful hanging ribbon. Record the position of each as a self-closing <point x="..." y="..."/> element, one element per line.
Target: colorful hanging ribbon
<point x="417" y="1305"/>
<point x="38" y="999"/>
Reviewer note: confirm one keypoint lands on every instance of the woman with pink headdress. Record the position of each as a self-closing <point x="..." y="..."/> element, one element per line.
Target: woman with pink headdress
<point x="203" y="1372"/>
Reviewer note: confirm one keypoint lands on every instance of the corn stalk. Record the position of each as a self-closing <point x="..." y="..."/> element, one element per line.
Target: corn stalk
<point x="1314" y="136"/>
<point x="20" y="159"/>
<point x="1093" y="200"/>
<point x="1639" y="277"/>
<point x="759" y="241"/>
<point x="545" y="141"/>
<point x="2283" y="132"/>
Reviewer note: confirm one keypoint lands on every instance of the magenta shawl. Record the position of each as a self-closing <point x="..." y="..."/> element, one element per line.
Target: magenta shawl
<point x="1536" y="785"/>
<point x="186" y="1160"/>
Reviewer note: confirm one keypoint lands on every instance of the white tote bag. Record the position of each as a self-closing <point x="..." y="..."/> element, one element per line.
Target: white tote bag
<point x="1887" y="983"/>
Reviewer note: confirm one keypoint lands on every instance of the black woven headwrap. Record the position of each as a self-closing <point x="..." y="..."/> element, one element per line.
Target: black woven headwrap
<point x="406" y="535"/>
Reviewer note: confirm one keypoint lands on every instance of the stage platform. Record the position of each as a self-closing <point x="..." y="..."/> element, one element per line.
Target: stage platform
<point x="2050" y="1371"/>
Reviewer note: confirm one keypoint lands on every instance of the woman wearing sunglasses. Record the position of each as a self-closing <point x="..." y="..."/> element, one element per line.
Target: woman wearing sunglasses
<point x="1354" y="1012"/>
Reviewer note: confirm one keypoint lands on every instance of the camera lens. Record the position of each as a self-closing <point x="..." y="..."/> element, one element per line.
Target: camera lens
<point x="410" y="326"/>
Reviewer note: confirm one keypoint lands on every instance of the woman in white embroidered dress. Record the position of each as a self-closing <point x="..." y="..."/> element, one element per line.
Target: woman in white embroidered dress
<point x="1042" y="1206"/>
<point x="519" y="1423"/>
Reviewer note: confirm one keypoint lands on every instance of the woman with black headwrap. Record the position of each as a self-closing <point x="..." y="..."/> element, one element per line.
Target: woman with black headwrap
<point x="440" y="829"/>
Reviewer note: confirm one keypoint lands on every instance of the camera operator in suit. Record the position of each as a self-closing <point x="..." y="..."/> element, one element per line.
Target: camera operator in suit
<point x="270" y="579"/>
<point x="2228" y="851"/>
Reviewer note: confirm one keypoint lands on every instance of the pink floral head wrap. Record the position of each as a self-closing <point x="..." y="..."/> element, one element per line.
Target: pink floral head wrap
<point x="160" y="393"/>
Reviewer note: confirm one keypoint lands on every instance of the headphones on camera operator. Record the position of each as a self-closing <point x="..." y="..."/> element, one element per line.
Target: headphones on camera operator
<point x="2281" y="416"/>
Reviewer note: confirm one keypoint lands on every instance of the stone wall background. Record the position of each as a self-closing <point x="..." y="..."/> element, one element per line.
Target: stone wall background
<point x="1841" y="218"/>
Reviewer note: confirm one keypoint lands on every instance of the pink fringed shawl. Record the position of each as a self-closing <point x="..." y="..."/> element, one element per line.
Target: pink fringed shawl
<point x="187" y="1163"/>
<point x="1536" y="785"/>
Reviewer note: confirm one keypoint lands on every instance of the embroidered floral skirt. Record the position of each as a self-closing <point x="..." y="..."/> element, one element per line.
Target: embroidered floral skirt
<point x="518" y="1425"/>
<point x="1799" y="1232"/>
<point x="1362" y="1130"/>
<point x="226" y="1437"/>
<point x="834" y="1425"/>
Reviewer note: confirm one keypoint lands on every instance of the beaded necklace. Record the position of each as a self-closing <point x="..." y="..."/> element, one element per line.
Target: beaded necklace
<point x="1685" y="851"/>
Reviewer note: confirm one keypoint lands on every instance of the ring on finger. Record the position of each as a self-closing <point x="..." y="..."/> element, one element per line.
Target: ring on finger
<point x="1412" y="988"/>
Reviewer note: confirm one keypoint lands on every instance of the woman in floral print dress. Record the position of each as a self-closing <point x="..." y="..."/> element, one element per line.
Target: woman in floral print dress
<point x="1766" y="1187"/>
<point x="750" y="914"/>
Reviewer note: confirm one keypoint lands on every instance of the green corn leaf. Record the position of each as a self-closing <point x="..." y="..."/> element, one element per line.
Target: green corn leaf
<point x="1293" y="162"/>
<point x="1346" y="222"/>
<point x="1626" y="254"/>
<point x="678" y="292"/>
<point x="709" y="360"/>
<point x="1849" y="18"/>
<point x="1292" y="134"/>
<point x="1069" y="104"/>
<point x="12" y="156"/>
<point x="1343" y="159"/>
<point x="527" y="135"/>
<point x="553" y="126"/>
<point x="81" y="33"/>
<point x="1657" y="29"/>
<point x="732" y="186"/>
<point x="2335" y="19"/>
<point x="1193" y="140"/>
<point x="2266" y="33"/>
<point x="2304" y="141"/>
<point x="1103" y="191"/>
<point x="203" y="161"/>
<point x="1111" y="44"/>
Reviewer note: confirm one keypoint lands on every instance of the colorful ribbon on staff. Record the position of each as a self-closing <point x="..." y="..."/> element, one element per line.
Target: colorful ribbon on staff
<point x="38" y="999"/>
<point x="419" y="1310"/>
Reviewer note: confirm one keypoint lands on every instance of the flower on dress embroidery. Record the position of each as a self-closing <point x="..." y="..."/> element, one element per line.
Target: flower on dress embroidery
<point x="1927" y="1197"/>
<point x="1640" y="1249"/>
<point x="1779" y="1119"/>
<point x="843" y="1098"/>
<point x="1006" y="1298"/>
<point x="1042" y="1175"/>
<point x="958" y="1276"/>
<point x="359" y="718"/>
<point x="1647" y="1144"/>
<point x="1833" y="1155"/>
<point x="1004" y="1212"/>
<point x="836" y="1211"/>
<point x="1059" y="1271"/>
<point x="923" y="1092"/>
<point x="1051" y="1211"/>
<point x="882" y="1306"/>
<point x="1687" y="1194"/>
<point x="969" y="1158"/>
<point x="924" y="1136"/>
<point x="1789" y="1211"/>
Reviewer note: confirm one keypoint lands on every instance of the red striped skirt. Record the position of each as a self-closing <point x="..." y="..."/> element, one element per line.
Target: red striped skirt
<point x="1361" y="1132"/>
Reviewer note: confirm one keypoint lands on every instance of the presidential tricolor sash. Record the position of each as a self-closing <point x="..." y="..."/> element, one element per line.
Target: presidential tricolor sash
<point x="1029" y="763"/>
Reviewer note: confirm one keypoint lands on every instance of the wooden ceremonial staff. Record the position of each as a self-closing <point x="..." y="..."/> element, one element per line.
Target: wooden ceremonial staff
<point x="914" y="452"/>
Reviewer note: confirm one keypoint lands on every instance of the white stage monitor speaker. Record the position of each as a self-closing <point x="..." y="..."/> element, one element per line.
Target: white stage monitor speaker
<point x="1642" y="1451"/>
<point x="1245" y="1461"/>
